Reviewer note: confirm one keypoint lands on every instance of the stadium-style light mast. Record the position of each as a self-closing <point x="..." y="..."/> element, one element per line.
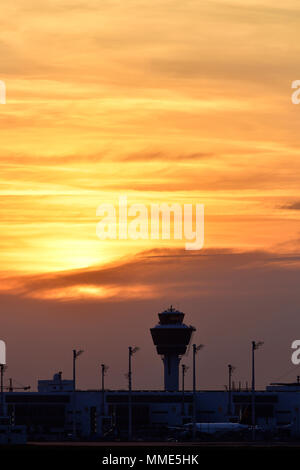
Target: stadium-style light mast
<point x="75" y="355"/>
<point x="195" y="350"/>
<point x="184" y="369"/>
<point x="131" y="352"/>
<point x="231" y="369"/>
<point x="3" y="367"/>
<point x="104" y="369"/>
<point x="255" y="345"/>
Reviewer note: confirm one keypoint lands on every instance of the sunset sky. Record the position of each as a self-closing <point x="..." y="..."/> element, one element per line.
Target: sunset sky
<point x="162" y="101"/>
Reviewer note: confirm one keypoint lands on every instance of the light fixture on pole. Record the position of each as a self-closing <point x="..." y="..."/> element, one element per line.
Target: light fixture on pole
<point x="255" y="345"/>
<point x="184" y="369"/>
<point x="131" y="352"/>
<point x="195" y="350"/>
<point x="231" y="369"/>
<point x="75" y="355"/>
<point x="104" y="369"/>
<point x="3" y="368"/>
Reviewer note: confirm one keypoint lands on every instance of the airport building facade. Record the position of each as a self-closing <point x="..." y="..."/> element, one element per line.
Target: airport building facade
<point x="51" y="414"/>
<point x="57" y="411"/>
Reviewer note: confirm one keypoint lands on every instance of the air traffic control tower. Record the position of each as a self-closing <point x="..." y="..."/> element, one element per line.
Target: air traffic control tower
<point x="171" y="338"/>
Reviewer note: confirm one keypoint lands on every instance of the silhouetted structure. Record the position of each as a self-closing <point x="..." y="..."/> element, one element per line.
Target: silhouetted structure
<point x="59" y="407"/>
<point x="171" y="338"/>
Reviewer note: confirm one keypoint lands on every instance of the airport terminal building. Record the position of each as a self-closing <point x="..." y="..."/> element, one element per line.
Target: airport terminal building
<point x="50" y="415"/>
<point x="58" y="411"/>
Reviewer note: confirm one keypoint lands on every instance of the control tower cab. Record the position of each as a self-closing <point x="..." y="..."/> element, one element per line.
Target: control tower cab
<point x="171" y="338"/>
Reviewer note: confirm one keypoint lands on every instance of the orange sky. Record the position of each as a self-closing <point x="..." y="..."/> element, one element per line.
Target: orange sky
<point x="163" y="101"/>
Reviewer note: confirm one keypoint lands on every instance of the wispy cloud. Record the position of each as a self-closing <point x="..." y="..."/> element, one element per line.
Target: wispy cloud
<point x="294" y="206"/>
<point x="155" y="274"/>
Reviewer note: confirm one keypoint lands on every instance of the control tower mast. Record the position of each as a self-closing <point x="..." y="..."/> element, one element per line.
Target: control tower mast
<point x="171" y="338"/>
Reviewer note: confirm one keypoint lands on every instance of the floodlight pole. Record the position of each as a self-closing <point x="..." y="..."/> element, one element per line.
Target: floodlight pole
<point x="75" y="355"/>
<point x="194" y="391"/>
<point x="103" y="374"/>
<point x="184" y="369"/>
<point x="2" y="390"/>
<point x="129" y="395"/>
<point x="255" y="345"/>
<point x="195" y="350"/>
<point x="253" y="391"/>
<point x="230" y="370"/>
<point x="131" y="351"/>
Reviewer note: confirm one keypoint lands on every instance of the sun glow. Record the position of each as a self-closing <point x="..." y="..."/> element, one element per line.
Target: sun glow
<point x="177" y="106"/>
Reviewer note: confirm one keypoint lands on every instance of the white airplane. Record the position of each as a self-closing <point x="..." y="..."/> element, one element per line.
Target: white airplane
<point x="212" y="428"/>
